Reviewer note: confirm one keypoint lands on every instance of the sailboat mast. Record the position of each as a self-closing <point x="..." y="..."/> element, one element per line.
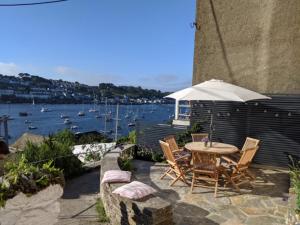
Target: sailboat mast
<point x="105" y="117"/>
<point x="117" y="123"/>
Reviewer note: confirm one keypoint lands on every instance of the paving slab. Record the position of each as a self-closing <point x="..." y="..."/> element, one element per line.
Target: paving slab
<point x="265" y="203"/>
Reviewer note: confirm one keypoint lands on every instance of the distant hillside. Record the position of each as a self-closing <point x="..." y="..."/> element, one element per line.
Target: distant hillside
<point x="25" y="87"/>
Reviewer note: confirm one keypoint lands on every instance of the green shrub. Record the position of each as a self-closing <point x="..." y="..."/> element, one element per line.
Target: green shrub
<point x="60" y="152"/>
<point x="295" y="181"/>
<point x="91" y="138"/>
<point x="126" y="164"/>
<point x="101" y="212"/>
<point x="143" y="153"/>
<point x="22" y="176"/>
<point x="185" y="137"/>
<point x="130" y="139"/>
<point x="92" y="156"/>
<point x="65" y="136"/>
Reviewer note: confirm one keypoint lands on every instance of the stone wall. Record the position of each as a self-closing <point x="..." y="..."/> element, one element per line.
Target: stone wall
<point x="152" y="210"/>
<point x="41" y="209"/>
<point x="251" y="43"/>
<point x="292" y="218"/>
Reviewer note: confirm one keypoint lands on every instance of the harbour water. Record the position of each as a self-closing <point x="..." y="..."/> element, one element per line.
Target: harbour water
<point x="45" y="123"/>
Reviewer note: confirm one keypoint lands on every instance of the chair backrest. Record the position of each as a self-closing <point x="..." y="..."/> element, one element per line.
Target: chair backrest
<point x="247" y="157"/>
<point x="167" y="152"/>
<point x="172" y="142"/>
<point x="250" y="143"/>
<point x="205" y="160"/>
<point x="199" y="136"/>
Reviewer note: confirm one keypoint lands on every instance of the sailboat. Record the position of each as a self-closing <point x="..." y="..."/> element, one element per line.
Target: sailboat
<point x="93" y="110"/>
<point x="30" y="127"/>
<point x="44" y="109"/>
<point x="33" y="103"/>
<point x="81" y="113"/>
<point x="67" y="121"/>
<point x="127" y="113"/>
<point x="63" y="116"/>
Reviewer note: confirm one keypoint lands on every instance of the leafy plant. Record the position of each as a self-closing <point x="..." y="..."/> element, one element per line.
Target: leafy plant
<point x="144" y="153"/>
<point x="103" y="218"/>
<point x="126" y="164"/>
<point x="92" y="156"/>
<point x="24" y="177"/>
<point x="295" y="180"/>
<point x="185" y="137"/>
<point x="130" y="139"/>
<point x="57" y="149"/>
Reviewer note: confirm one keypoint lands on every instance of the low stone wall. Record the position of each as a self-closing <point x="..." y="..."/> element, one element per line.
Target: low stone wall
<point x="153" y="210"/>
<point x="41" y="209"/>
<point x="292" y="217"/>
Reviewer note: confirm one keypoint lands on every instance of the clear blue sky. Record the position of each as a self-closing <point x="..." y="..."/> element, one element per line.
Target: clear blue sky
<point x="127" y="42"/>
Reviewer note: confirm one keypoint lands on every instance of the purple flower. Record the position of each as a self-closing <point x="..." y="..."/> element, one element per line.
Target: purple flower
<point x="205" y="139"/>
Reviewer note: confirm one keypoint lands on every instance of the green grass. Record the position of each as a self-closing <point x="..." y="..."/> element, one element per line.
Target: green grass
<point x="103" y="218"/>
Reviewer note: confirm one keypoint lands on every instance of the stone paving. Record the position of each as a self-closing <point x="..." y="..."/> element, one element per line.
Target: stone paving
<point x="78" y="203"/>
<point x="265" y="203"/>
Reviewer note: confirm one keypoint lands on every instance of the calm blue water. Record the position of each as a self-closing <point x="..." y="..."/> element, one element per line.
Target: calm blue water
<point x="50" y="122"/>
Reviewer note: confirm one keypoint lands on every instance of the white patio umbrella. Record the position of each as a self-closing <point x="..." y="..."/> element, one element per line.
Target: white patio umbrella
<point x="216" y="90"/>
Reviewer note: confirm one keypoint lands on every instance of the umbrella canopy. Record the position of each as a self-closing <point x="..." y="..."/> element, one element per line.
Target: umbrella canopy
<point x="216" y="90"/>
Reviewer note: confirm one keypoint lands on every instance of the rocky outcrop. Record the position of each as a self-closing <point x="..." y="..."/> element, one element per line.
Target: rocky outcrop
<point x="40" y="209"/>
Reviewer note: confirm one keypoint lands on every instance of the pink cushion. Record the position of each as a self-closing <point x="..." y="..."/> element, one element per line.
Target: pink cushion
<point x="134" y="190"/>
<point x="116" y="176"/>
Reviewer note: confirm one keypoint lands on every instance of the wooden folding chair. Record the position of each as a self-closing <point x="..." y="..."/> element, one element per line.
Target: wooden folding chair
<point x="237" y="173"/>
<point x="172" y="142"/>
<point x="206" y="169"/>
<point x="249" y="143"/>
<point x="178" y="152"/>
<point x="197" y="137"/>
<point x="178" y="167"/>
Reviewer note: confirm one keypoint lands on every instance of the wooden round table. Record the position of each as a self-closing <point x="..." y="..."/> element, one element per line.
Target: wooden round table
<point x="217" y="148"/>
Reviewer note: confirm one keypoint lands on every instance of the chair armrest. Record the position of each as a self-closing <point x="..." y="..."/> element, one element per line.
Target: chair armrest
<point x="182" y="157"/>
<point x="175" y="151"/>
<point x="229" y="160"/>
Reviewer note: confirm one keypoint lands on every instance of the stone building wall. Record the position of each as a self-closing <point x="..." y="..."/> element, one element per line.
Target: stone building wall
<point x="254" y="44"/>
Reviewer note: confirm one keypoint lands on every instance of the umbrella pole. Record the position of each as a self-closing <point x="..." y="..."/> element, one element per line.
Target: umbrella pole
<point x="211" y="127"/>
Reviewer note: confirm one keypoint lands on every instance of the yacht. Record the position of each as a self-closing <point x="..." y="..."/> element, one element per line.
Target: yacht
<point x="63" y="116"/>
<point x="81" y="113"/>
<point x="30" y="127"/>
<point x="93" y="110"/>
<point x="44" y="109"/>
<point x="27" y="121"/>
<point x="74" y="127"/>
<point x="67" y="121"/>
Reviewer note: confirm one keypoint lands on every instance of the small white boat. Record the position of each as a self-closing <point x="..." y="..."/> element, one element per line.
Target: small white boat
<point x="74" y="127"/>
<point x="63" y="116"/>
<point x="81" y="113"/>
<point x="131" y="124"/>
<point x="27" y="121"/>
<point x="126" y="116"/>
<point x="93" y="110"/>
<point x="32" y="127"/>
<point x="44" y="109"/>
<point x="67" y="121"/>
<point x="98" y="116"/>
